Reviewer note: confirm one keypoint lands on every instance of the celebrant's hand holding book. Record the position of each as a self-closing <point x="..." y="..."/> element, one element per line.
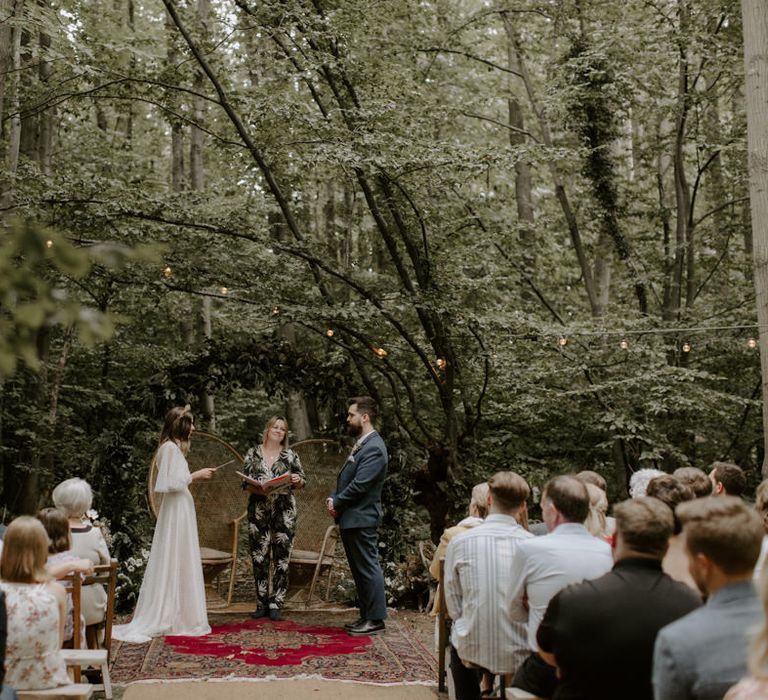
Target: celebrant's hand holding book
<point x="267" y="486"/>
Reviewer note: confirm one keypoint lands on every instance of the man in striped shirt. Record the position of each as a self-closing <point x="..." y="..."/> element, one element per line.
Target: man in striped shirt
<point x="478" y="564"/>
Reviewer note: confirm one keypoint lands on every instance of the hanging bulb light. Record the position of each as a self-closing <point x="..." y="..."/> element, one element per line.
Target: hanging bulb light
<point x="381" y="353"/>
<point x="275" y="310"/>
<point x="751" y="343"/>
<point x="686" y="346"/>
<point x="329" y="332"/>
<point x="49" y="243"/>
<point x="223" y="290"/>
<point x="562" y="341"/>
<point x="442" y="363"/>
<point x="167" y="271"/>
<point x="624" y="344"/>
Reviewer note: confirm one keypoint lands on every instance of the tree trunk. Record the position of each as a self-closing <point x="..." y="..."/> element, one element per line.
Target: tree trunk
<point x="755" y="22"/>
<point x="14" y="136"/>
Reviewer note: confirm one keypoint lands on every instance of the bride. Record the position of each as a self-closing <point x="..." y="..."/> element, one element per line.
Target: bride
<point x="172" y="595"/>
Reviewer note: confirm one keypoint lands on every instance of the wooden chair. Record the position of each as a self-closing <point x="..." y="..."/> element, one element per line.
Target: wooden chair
<point x="80" y="691"/>
<point x="77" y="658"/>
<point x="317" y="536"/>
<point x="220" y="505"/>
<point x="427" y="553"/>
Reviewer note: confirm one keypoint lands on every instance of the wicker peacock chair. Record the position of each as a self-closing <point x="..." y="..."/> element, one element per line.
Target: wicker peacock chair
<point x="316" y="534"/>
<point x="220" y="505"/>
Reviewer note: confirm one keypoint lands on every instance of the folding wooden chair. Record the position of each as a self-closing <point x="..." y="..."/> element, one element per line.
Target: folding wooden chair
<point x="77" y="658"/>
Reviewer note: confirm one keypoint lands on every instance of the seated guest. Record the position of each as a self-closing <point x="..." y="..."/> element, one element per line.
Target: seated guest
<point x="704" y="653"/>
<point x="598" y="504"/>
<point x="74" y="498"/>
<point x="478" y="509"/>
<point x="6" y="692"/>
<point x="477" y="582"/>
<point x="727" y="479"/>
<point x="756" y="686"/>
<point x="61" y="560"/>
<point x="543" y="566"/>
<point x="697" y="479"/>
<point x="638" y="482"/>
<point x="35" y="608"/>
<point x="672" y="492"/>
<point x="761" y="506"/>
<point x="600" y="633"/>
<point x="587" y="476"/>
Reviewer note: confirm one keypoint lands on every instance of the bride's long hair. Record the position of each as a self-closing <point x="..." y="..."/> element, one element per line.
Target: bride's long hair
<point x="178" y="427"/>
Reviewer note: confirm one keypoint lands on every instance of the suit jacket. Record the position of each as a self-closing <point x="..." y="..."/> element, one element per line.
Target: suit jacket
<point x="357" y="499"/>
<point x="704" y="653"/>
<point x="602" y="631"/>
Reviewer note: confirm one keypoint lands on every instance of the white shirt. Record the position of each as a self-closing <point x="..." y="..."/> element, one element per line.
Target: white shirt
<point x="477" y="582"/>
<point x="545" y="565"/>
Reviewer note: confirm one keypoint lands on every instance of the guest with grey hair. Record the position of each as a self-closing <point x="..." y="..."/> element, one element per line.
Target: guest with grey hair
<point x="638" y="482"/>
<point x="74" y="497"/>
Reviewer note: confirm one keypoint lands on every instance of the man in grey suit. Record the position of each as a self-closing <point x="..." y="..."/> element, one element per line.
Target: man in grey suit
<point x="356" y="507"/>
<point x="704" y="653"/>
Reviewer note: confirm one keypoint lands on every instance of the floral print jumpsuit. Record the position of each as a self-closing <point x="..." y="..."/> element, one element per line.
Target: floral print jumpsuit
<point x="271" y="526"/>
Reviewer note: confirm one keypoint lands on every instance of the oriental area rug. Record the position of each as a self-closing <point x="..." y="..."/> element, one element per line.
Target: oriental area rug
<point x="304" y="645"/>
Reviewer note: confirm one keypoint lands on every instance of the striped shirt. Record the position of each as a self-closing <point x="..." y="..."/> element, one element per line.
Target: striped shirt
<point x="477" y="583"/>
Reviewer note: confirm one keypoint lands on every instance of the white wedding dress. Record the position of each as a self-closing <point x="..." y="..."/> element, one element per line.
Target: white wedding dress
<point x="172" y="595"/>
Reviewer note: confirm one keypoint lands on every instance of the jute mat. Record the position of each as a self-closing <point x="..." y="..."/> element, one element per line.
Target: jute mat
<point x="306" y="645"/>
<point x="276" y="690"/>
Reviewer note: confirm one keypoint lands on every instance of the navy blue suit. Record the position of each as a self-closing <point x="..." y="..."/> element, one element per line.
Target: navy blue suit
<point x="357" y="501"/>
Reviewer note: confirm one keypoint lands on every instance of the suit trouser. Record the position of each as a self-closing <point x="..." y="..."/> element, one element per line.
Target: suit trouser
<point x="466" y="681"/>
<point x="361" y="545"/>
<point x="536" y="676"/>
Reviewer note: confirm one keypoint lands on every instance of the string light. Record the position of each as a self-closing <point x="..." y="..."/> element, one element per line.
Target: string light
<point x="686" y="346"/>
<point x="329" y="332"/>
<point x="224" y="290"/>
<point x="624" y="345"/>
<point x="275" y="310"/>
<point x="167" y="272"/>
<point x="49" y="243"/>
<point x="751" y="343"/>
<point x="381" y="353"/>
<point x="562" y="341"/>
<point x="442" y="363"/>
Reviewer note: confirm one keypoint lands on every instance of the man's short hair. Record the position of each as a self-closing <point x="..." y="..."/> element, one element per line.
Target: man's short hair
<point x="731" y="477"/>
<point x="696" y="478"/>
<point x="645" y="524"/>
<point x="479" y="498"/>
<point x="761" y="502"/>
<point x="672" y="492"/>
<point x="569" y="496"/>
<point x="509" y="491"/>
<point x="726" y="530"/>
<point x="587" y="476"/>
<point x="365" y="404"/>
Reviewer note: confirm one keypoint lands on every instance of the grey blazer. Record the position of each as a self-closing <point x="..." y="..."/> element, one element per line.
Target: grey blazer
<point x="700" y="656"/>
<point x="357" y="498"/>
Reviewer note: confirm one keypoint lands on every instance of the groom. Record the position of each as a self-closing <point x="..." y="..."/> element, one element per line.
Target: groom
<point x="356" y="507"/>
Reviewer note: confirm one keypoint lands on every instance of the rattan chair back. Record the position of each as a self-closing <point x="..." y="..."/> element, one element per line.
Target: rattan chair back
<point x="219" y="501"/>
<point x="321" y="460"/>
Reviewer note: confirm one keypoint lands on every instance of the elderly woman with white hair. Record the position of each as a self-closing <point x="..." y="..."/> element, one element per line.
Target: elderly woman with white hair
<point x="74" y="497"/>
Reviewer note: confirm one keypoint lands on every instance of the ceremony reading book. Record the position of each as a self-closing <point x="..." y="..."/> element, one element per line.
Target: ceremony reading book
<point x="269" y="484"/>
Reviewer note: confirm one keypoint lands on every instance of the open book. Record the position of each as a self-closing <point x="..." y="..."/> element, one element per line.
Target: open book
<point x="269" y="485"/>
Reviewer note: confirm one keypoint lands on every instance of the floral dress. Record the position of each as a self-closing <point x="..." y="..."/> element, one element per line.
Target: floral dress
<point x="32" y="656"/>
<point x="271" y="526"/>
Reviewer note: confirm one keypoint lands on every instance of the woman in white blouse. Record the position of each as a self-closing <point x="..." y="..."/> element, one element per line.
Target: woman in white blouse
<point x="172" y="595"/>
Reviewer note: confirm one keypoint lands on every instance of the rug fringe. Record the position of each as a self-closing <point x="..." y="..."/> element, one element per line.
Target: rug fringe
<point x="265" y="679"/>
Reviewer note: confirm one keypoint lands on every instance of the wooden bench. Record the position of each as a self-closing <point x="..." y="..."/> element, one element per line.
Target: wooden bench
<point x="76" y="690"/>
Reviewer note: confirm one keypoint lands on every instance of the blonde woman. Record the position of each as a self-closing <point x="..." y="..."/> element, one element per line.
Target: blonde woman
<point x="172" y="595"/>
<point x="272" y="515"/>
<point x="756" y="686"/>
<point x="35" y="607"/>
<point x="598" y="505"/>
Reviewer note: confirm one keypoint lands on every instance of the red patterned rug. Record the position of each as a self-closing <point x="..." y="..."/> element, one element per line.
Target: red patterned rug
<point x="306" y="644"/>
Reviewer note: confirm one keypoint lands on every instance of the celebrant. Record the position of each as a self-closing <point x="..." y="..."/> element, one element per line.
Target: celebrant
<point x="272" y="471"/>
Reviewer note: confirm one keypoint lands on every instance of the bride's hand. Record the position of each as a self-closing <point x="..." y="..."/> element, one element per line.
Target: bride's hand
<point x="203" y="474"/>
